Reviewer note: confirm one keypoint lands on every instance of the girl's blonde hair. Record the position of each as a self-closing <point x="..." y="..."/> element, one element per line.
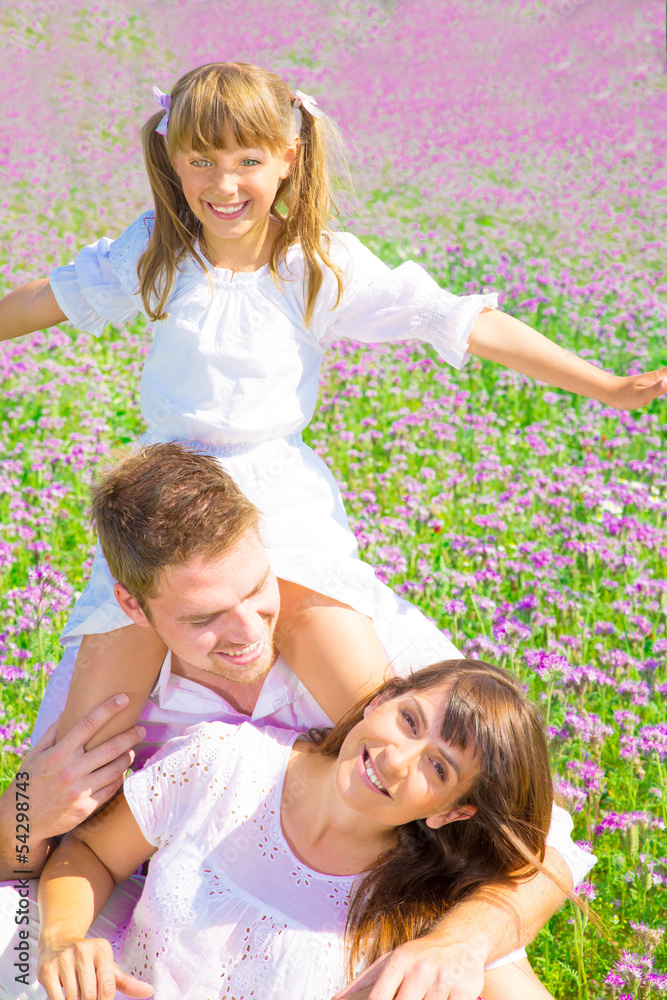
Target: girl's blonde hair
<point x="209" y="106"/>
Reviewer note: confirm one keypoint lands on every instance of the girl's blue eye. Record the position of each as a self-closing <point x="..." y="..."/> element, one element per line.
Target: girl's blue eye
<point x="250" y="161"/>
<point x="201" y="163"/>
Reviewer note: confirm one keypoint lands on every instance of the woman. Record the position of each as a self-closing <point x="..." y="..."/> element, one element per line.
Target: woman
<point x="435" y="786"/>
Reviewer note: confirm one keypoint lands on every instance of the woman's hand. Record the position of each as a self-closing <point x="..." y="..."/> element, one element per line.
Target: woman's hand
<point x="86" y="969"/>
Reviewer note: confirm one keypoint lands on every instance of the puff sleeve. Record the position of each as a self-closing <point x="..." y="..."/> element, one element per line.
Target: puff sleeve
<point x="100" y="286"/>
<point x="381" y="304"/>
<point x="175" y="787"/>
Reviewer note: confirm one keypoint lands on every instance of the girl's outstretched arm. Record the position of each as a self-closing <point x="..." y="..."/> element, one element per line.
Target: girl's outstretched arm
<point x="76" y="883"/>
<point x="333" y="649"/>
<point x="127" y="659"/>
<point x="29" y="308"/>
<point x="507" y="341"/>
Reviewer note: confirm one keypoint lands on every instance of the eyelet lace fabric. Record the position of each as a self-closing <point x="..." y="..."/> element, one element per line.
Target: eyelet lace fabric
<point x="227" y="910"/>
<point x="125" y="252"/>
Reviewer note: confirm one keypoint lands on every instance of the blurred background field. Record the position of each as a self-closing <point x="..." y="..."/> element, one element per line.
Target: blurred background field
<point x="517" y="147"/>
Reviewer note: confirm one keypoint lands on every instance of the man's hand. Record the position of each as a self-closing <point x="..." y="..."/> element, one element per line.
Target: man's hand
<point x="638" y="390"/>
<point x="426" y="969"/>
<point x="86" y="969"/>
<point x="67" y="783"/>
<point x="64" y="783"/>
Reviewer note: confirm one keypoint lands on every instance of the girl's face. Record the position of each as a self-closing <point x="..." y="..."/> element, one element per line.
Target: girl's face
<point x="231" y="191"/>
<point x="394" y="766"/>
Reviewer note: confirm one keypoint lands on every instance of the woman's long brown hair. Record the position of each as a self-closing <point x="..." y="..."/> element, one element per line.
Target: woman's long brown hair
<point x="503" y="843"/>
<point x="208" y="106"/>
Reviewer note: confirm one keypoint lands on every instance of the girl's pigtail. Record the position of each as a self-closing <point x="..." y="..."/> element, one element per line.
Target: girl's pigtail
<point x="175" y="230"/>
<point x="310" y="204"/>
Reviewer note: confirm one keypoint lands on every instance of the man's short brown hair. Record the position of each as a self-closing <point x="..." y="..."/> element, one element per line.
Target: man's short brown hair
<point x="162" y="504"/>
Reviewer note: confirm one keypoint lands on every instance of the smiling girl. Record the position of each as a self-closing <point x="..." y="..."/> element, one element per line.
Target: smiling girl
<point x="270" y="851"/>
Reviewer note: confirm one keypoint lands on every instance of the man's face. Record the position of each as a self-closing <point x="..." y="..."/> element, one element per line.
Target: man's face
<point x="219" y="615"/>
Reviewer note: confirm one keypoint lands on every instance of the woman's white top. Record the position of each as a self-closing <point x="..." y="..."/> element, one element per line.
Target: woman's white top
<point x="234" y="369"/>
<point x="227" y="909"/>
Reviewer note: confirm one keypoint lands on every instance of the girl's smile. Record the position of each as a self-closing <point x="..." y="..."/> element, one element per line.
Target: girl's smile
<point x="228" y="211"/>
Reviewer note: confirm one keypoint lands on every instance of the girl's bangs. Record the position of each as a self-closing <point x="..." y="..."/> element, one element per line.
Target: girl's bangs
<point x="207" y="118"/>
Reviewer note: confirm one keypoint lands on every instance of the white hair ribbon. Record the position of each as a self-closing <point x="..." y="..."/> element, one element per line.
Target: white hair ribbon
<point x="165" y="101"/>
<point x="308" y="102"/>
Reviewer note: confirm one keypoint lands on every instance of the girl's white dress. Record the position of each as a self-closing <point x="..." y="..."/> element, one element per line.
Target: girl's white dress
<point x="234" y="370"/>
<point x="227" y="910"/>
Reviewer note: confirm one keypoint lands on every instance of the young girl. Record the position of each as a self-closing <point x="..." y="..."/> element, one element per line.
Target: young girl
<point x="437" y="785"/>
<point x="246" y="288"/>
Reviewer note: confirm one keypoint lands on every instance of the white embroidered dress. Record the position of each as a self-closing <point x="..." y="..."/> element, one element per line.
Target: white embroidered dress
<point x="234" y="370"/>
<point x="227" y="910"/>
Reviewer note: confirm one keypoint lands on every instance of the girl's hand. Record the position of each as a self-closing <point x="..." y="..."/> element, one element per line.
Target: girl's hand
<point x="86" y="969"/>
<point x="638" y="390"/>
<point x="507" y="341"/>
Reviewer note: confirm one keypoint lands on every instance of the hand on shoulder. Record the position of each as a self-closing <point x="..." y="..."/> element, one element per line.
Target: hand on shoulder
<point x="63" y="782"/>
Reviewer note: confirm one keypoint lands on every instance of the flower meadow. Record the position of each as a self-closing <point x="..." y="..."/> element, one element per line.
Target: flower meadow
<point x="517" y="147"/>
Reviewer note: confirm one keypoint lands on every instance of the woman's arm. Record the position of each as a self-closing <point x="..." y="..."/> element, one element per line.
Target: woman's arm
<point x="28" y="308"/>
<point x="76" y="883"/>
<point x="127" y="659"/>
<point x="507" y="341"/>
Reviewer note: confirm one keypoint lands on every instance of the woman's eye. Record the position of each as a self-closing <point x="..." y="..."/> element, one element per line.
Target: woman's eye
<point x="439" y="769"/>
<point x="410" y="721"/>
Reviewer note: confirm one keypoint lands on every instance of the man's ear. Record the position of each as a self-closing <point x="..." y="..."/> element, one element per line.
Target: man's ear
<point x="453" y="816"/>
<point x="130" y="606"/>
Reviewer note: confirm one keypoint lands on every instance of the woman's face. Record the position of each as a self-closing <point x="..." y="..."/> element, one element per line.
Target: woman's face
<point x="394" y="766"/>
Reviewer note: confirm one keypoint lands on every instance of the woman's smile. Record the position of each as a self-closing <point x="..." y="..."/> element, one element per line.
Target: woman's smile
<point x="368" y="770"/>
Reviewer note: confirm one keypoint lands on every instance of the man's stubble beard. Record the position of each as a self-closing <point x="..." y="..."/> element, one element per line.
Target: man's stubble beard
<point x="255" y="671"/>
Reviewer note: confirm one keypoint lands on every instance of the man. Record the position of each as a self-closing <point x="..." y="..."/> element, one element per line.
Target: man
<point x="184" y="542"/>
